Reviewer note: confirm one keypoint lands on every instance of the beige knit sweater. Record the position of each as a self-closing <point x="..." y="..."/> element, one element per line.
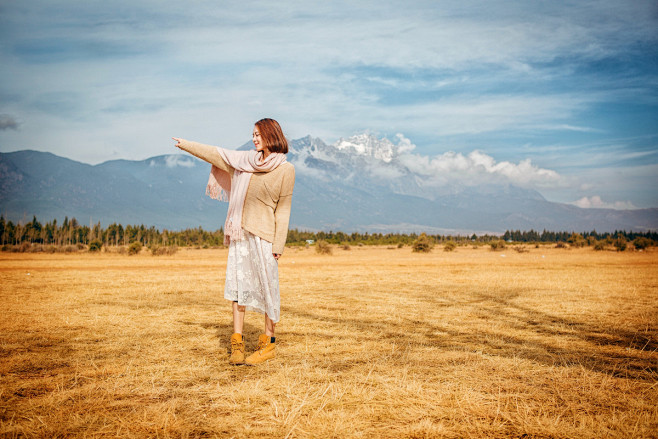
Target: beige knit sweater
<point x="267" y="204"/>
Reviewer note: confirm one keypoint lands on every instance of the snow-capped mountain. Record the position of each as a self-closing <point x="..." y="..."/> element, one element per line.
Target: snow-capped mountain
<point x="374" y="164"/>
<point x="368" y="145"/>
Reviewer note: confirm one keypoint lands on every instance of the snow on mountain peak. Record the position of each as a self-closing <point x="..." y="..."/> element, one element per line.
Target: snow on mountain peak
<point x="367" y="144"/>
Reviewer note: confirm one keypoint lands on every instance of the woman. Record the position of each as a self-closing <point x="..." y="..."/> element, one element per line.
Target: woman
<point x="258" y="186"/>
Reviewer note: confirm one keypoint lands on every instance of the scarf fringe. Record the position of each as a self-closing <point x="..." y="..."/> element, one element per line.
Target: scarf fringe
<point x="215" y="191"/>
<point x="232" y="231"/>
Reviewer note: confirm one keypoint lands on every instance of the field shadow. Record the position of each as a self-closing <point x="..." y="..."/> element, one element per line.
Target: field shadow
<point x="224" y="331"/>
<point x="634" y="362"/>
<point x="547" y="336"/>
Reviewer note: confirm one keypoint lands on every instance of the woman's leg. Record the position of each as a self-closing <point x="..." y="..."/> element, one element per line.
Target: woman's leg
<point x="237" y="343"/>
<point x="238" y="317"/>
<point x="269" y="326"/>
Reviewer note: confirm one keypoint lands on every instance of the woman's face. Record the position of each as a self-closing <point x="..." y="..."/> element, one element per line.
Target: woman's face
<point x="258" y="141"/>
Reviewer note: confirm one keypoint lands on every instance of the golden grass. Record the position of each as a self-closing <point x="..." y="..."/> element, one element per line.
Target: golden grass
<point x="373" y="342"/>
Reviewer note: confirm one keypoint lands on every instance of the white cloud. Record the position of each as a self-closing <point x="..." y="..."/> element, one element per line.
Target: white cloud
<point x="479" y="168"/>
<point x="597" y="203"/>
<point x="172" y="161"/>
<point x="404" y="145"/>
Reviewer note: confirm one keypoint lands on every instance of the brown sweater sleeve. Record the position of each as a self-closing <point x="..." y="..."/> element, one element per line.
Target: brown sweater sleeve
<point x="282" y="212"/>
<point x="206" y="153"/>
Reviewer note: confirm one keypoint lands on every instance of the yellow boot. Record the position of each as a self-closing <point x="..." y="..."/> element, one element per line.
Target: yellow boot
<point x="237" y="349"/>
<point x="264" y="352"/>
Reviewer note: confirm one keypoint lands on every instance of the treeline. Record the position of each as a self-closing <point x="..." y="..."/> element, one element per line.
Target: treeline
<point x="547" y="236"/>
<point x="71" y="232"/>
<point x="297" y="237"/>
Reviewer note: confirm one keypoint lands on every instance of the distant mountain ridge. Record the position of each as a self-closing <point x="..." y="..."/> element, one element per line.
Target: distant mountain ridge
<point x="357" y="184"/>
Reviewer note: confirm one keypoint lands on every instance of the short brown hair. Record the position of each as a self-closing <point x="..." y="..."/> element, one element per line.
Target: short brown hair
<point x="272" y="135"/>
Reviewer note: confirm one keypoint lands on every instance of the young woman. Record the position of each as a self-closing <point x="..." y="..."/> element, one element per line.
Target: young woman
<point x="258" y="186"/>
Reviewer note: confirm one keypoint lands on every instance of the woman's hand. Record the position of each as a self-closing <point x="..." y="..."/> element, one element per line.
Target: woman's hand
<point x="177" y="141"/>
<point x="276" y="256"/>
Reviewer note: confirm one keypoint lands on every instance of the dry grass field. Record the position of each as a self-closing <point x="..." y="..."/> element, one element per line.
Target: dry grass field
<point x="373" y="342"/>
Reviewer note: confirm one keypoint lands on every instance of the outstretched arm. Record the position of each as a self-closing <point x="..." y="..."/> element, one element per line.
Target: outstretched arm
<point x="204" y="152"/>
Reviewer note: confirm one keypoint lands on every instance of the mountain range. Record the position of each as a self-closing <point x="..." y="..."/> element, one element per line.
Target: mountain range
<point x="362" y="183"/>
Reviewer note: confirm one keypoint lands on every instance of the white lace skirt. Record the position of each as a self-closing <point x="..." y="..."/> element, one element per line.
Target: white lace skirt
<point x="252" y="276"/>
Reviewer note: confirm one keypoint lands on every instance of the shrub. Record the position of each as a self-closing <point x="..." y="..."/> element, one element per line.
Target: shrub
<point x="36" y="248"/>
<point x="347" y="247"/>
<point x="498" y="245"/>
<point x="423" y="244"/>
<point x="323" y="248"/>
<point x="521" y="249"/>
<point x="561" y="245"/>
<point x="163" y="251"/>
<point x="449" y="246"/>
<point x="134" y="248"/>
<point x="400" y="244"/>
<point x="599" y="245"/>
<point x="620" y="243"/>
<point x="577" y="240"/>
<point x="642" y="243"/>
<point x="95" y="246"/>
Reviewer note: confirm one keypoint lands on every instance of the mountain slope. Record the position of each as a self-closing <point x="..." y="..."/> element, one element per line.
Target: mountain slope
<point x="361" y="183"/>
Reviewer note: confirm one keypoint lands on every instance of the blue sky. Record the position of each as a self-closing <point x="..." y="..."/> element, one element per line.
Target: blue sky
<point x="570" y="86"/>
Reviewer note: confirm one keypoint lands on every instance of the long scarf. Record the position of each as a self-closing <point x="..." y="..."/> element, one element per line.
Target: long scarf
<point x="234" y="190"/>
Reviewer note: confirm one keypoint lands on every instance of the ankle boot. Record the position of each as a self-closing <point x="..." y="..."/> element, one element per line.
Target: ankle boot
<point x="264" y="352"/>
<point x="237" y="349"/>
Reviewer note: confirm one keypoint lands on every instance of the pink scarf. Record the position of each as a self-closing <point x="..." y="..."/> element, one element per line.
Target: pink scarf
<point x="234" y="190"/>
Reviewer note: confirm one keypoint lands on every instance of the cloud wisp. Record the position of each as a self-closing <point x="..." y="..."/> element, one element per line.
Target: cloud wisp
<point x="8" y="122"/>
<point x="596" y="202"/>
<point x="177" y="160"/>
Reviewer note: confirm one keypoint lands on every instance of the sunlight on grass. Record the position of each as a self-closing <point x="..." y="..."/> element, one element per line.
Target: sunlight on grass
<point x="373" y="342"/>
